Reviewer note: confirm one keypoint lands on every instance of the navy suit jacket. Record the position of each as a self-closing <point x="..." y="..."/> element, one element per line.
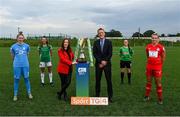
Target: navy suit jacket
<point x="107" y="51"/>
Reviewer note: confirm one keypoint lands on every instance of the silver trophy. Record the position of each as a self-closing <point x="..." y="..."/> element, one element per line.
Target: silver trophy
<point x="82" y="44"/>
<point x="80" y="50"/>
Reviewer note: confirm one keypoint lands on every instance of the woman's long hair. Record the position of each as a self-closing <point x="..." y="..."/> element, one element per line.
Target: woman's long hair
<point x="69" y="45"/>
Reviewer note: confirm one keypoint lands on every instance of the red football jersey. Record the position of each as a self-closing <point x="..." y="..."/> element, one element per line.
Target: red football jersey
<point x="154" y="54"/>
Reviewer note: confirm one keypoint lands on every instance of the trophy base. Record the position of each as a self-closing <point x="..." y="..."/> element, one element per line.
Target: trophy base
<point x="81" y="60"/>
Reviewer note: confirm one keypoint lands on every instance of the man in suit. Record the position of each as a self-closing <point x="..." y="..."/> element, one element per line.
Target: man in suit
<point x="102" y="51"/>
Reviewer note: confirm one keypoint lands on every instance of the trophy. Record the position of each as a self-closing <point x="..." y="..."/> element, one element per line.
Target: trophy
<point x="80" y="50"/>
<point x="82" y="57"/>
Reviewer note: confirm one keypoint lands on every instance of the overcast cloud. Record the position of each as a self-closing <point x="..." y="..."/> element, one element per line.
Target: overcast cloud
<point x="83" y="17"/>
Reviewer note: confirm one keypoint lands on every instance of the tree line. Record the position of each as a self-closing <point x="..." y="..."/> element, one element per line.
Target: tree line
<point x="148" y="33"/>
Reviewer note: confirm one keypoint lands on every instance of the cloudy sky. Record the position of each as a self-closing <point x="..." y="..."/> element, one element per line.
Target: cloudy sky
<point x="83" y="17"/>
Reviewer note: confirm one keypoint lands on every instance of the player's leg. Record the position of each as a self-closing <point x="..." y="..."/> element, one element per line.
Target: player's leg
<point x="17" y="75"/>
<point x="42" y="67"/>
<point x="129" y="71"/>
<point x="158" y="77"/>
<point x="27" y="81"/>
<point x="49" y="65"/>
<point x="122" y="70"/>
<point x="148" y="84"/>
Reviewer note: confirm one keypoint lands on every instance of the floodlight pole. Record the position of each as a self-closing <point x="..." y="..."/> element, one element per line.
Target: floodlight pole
<point x="18" y="29"/>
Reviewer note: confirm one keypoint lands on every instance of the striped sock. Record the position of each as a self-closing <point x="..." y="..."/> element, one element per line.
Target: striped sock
<point x="159" y="92"/>
<point x="148" y="89"/>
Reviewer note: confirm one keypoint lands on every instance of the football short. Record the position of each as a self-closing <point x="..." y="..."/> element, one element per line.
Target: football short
<point x="21" y="71"/>
<point x="125" y="64"/>
<point x="154" y="71"/>
<point x="45" y="64"/>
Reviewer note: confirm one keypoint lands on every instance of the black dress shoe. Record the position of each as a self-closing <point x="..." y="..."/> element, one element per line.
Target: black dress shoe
<point x="110" y="100"/>
<point x="65" y="97"/>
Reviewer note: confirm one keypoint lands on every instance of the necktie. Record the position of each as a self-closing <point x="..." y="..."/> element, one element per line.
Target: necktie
<point x="102" y="44"/>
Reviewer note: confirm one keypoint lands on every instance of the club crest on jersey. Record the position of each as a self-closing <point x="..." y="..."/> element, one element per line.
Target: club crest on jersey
<point x="158" y="49"/>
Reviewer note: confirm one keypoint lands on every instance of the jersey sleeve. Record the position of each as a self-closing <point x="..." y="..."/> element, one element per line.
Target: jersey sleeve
<point x="163" y="49"/>
<point x="28" y="49"/>
<point x="131" y="51"/>
<point x="12" y="50"/>
<point x="50" y="47"/>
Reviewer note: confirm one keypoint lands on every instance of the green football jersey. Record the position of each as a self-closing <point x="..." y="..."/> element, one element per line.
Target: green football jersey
<point x="126" y="53"/>
<point x="44" y="52"/>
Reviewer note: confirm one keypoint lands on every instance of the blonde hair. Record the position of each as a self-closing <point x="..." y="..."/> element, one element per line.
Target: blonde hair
<point x="155" y="34"/>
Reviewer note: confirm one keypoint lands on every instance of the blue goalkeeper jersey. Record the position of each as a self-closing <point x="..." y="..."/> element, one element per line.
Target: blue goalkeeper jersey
<point x="20" y="53"/>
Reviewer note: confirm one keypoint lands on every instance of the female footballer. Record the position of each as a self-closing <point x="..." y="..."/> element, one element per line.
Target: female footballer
<point x="19" y="52"/>
<point x="126" y="53"/>
<point x="45" y="53"/>
<point x="155" y="58"/>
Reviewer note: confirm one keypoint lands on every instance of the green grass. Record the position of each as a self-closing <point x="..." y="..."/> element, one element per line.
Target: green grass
<point x="128" y="100"/>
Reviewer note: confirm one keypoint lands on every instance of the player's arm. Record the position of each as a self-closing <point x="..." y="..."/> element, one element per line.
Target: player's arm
<point x="163" y="55"/>
<point x="131" y="52"/>
<point x="12" y="53"/>
<point x="51" y="50"/>
<point x="28" y="50"/>
<point x="120" y="52"/>
<point x="38" y="48"/>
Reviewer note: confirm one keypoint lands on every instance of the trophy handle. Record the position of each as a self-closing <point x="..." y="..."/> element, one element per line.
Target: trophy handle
<point x="90" y="52"/>
<point x="76" y="51"/>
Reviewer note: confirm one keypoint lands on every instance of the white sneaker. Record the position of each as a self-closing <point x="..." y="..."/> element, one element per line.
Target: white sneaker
<point x="30" y="96"/>
<point x="15" y="98"/>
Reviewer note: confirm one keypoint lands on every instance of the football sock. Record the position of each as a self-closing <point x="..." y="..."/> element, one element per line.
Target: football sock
<point x="28" y="86"/>
<point x="148" y="89"/>
<point x="159" y="92"/>
<point x="122" y="77"/>
<point x="16" y="86"/>
<point x="42" y="77"/>
<point x="129" y="78"/>
<point x="50" y="77"/>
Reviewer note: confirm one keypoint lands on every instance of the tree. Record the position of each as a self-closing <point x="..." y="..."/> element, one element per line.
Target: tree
<point x="178" y="34"/>
<point x="172" y="35"/>
<point x="113" y="33"/>
<point x="148" y="33"/>
<point x="163" y="35"/>
<point x="137" y="34"/>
